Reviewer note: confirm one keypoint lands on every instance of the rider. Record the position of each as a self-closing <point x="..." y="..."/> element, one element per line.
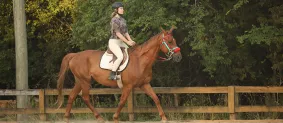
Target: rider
<point x="119" y="36"/>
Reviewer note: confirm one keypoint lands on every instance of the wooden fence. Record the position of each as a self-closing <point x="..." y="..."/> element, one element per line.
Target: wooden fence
<point x="232" y="108"/>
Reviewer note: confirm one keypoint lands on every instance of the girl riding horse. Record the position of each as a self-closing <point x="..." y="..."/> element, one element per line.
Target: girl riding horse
<point x="138" y="73"/>
<point x="119" y="36"/>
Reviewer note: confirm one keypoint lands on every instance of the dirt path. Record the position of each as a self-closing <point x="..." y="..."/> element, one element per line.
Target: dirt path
<point x="188" y="121"/>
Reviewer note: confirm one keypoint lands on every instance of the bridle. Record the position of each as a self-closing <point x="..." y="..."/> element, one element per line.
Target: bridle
<point x="170" y="52"/>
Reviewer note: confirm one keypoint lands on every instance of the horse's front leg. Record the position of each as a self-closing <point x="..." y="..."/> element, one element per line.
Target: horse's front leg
<point x="125" y="93"/>
<point x="149" y="91"/>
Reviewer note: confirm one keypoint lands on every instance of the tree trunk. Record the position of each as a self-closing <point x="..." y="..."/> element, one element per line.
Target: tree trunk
<point x="21" y="54"/>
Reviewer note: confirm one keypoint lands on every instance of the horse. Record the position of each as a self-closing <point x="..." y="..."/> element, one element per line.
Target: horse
<point x="85" y="66"/>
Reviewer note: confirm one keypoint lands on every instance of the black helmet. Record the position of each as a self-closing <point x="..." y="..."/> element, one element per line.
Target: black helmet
<point x="117" y="5"/>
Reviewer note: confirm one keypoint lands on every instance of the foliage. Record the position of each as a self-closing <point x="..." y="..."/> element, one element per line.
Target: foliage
<point x="7" y="53"/>
<point x="91" y="25"/>
<point x="268" y="36"/>
<point x="222" y="42"/>
<point x="48" y="29"/>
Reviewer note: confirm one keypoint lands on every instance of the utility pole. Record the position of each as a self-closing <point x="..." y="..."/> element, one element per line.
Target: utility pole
<point x="21" y="54"/>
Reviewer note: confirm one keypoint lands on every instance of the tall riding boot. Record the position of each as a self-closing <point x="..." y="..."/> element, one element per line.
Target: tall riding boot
<point x="112" y="76"/>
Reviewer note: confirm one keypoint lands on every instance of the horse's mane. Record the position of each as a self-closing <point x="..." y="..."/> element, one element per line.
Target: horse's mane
<point x="140" y="47"/>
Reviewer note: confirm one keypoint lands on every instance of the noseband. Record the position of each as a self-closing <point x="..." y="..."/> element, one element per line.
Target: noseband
<point x="170" y="52"/>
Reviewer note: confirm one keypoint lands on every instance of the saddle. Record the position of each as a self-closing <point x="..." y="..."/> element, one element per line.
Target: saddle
<point x="108" y="58"/>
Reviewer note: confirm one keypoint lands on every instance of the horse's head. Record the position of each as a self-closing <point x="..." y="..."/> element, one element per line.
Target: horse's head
<point x="169" y="46"/>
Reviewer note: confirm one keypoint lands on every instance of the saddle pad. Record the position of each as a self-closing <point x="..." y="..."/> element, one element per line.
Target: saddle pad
<point x="107" y="63"/>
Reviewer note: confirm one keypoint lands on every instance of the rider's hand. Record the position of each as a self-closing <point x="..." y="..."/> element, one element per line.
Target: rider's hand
<point x="131" y="43"/>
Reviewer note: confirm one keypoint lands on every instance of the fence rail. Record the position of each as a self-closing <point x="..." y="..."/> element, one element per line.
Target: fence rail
<point x="232" y="108"/>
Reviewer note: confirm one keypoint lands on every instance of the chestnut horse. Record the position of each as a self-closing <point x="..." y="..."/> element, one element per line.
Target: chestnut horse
<point x="85" y="65"/>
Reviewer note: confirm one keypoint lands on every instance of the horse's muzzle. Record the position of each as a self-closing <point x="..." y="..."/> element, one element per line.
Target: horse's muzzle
<point x="177" y="57"/>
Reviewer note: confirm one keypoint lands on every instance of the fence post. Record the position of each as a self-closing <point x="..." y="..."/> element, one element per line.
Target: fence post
<point x="237" y="103"/>
<point x="176" y="100"/>
<point x="231" y="102"/>
<point x="131" y="106"/>
<point x="42" y="114"/>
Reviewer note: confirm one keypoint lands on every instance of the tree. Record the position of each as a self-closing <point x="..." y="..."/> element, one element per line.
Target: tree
<point x="7" y="45"/>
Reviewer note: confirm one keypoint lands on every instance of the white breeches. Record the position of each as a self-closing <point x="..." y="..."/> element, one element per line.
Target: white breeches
<point x="114" y="46"/>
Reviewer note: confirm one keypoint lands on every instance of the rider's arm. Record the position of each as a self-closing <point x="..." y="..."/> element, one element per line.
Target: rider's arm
<point x="128" y="36"/>
<point x="119" y="35"/>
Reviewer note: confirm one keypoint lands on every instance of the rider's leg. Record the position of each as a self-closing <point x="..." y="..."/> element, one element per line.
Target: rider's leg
<point x="115" y="48"/>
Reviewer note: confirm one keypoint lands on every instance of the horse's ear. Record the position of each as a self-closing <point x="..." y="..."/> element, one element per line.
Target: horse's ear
<point x="163" y="31"/>
<point x="172" y="28"/>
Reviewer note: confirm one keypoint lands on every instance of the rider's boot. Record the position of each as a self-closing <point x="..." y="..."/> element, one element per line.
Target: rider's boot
<point x="112" y="75"/>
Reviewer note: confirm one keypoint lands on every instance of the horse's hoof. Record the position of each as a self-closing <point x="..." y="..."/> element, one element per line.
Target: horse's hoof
<point x="115" y="118"/>
<point x="100" y="120"/>
<point x="116" y="121"/>
<point x="164" y="121"/>
<point x="66" y="120"/>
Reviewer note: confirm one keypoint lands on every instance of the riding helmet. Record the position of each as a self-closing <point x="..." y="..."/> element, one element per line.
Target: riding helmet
<point x="117" y="5"/>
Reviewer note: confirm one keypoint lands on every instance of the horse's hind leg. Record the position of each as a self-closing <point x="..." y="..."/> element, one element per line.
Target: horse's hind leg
<point x="149" y="91"/>
<point x="75" y="91"/>
<point x="85" y="96"/>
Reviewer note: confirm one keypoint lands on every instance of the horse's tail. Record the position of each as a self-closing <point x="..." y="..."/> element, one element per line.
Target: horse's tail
<point x="61" y="75"/>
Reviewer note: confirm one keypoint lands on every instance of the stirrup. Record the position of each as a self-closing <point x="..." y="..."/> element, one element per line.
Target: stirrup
<point x="113" y="76"/>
